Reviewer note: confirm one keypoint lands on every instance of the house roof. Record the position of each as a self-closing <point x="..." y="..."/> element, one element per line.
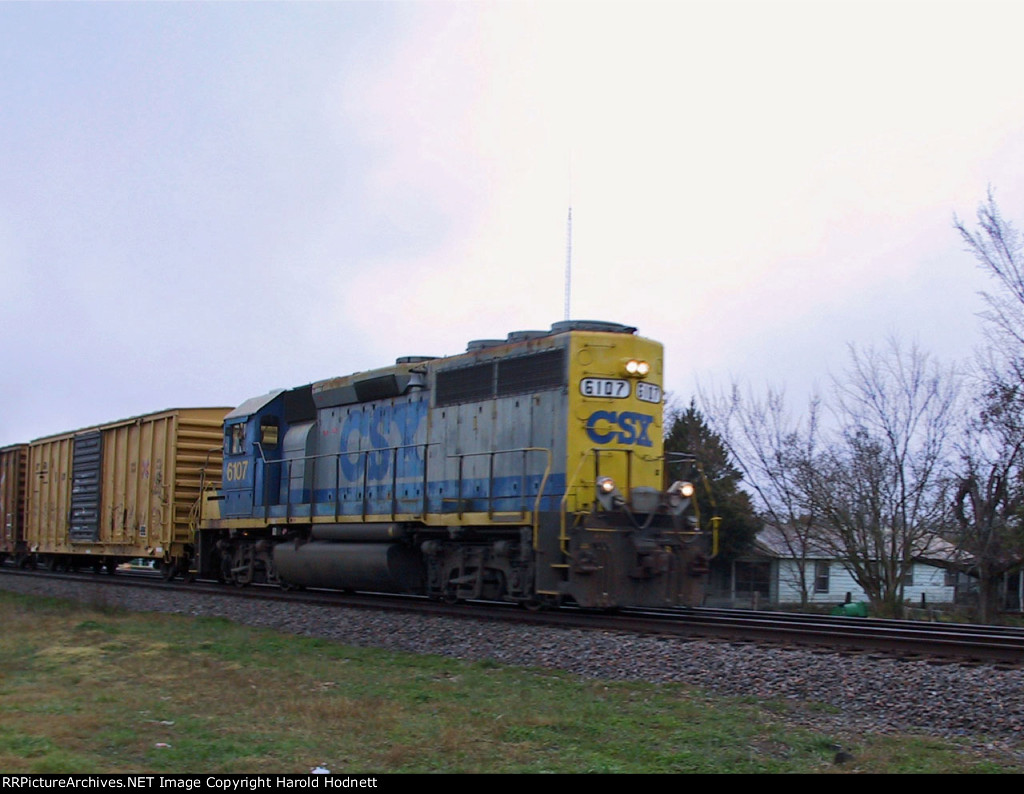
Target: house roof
<point x="772" y="541"/>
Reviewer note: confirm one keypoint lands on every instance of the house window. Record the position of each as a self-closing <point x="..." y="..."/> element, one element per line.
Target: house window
<point x="821" y="573"/>
<point x="908" y="577"/>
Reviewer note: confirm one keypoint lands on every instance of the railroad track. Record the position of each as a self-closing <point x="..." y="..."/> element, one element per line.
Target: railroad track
<point x="939" y="642"/>
<point x="903" y="638"/>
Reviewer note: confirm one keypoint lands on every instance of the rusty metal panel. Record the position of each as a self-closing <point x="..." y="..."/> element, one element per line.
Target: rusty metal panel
<point x="123" y="489"/>
<point x="13" y="461"/>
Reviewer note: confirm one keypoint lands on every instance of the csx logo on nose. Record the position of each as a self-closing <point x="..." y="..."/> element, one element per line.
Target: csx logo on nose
<point x="626" y="427"/>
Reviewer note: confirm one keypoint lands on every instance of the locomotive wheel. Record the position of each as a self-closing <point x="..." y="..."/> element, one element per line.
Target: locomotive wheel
<point x="242" y="565"/>
<point x="450" y="596"/>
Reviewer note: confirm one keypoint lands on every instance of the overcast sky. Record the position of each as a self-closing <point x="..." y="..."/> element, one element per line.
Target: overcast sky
<point x="200" y="202"/>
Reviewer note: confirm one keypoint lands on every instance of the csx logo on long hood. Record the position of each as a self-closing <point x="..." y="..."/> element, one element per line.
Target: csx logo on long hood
<point x="620" y="427"/>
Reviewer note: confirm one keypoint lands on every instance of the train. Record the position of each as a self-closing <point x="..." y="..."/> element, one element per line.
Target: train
<point x="530" y="469"/>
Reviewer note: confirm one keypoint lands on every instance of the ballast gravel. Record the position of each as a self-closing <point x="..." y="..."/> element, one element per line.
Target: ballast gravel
<point x="983" y="704"/>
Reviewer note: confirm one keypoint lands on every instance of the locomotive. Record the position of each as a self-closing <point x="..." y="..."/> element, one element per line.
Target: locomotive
<point x="528" y="469"/>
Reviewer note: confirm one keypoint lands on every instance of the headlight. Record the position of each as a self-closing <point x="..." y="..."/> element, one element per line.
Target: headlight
<point x="637" y="368"/>
<point x="608" y="494"/>
<point x="682" y="488"/>
<point x="679" y="494"/>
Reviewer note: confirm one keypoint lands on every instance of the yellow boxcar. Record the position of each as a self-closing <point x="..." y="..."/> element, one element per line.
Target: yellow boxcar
<point x="104" y="495"/>
<point x="12" y="500"/>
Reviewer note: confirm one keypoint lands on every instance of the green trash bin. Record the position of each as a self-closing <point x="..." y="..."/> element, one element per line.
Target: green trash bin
<point x="855" y="609"/>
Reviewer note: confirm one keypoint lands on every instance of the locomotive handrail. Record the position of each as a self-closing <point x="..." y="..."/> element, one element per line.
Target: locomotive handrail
<point x="195" y="514"/>
<point x="563" y="538"/>
<point x="629" y="465"/>
<point x="286" y="465"/>
<point x="535" y="521"/>
<point x="286" y="472"/>
<point x="570" y="482"/>
<point x="716" y="520"/>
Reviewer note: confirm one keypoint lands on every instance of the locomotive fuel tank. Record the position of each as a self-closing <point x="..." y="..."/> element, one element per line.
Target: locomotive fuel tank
<point x="380" y="567"/>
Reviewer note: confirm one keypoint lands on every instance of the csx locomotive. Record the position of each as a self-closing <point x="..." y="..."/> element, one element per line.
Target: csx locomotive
<point x="528" y="469"/>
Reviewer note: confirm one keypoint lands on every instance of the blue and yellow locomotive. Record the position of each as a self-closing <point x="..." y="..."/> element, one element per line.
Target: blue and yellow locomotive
<point x="528" y="469"/>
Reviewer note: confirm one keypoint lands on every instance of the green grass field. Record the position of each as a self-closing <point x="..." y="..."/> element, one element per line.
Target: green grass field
<point x="88" y="689"/>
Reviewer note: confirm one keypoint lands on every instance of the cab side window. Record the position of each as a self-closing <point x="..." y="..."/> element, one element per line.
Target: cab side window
<point x="269" y="432"/>
<point x="236" y="441"/>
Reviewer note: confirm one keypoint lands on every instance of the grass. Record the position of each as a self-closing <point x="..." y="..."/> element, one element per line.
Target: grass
<point x="89" y="689"/>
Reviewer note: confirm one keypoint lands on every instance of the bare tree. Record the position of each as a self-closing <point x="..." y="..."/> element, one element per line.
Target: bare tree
<point x="989" y="501"/>
<point x="882" y="484"/>
<point x="997" y="246"/>
<point x="772" y="448"/>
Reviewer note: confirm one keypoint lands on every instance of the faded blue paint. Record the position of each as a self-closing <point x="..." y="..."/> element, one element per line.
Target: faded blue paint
<point x="443" y="496"/>
<point x="372" y="435"/>
<point x="372" y="459"/>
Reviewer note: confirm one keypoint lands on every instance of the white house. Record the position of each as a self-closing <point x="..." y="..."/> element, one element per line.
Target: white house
<point x="770" y="576"/>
